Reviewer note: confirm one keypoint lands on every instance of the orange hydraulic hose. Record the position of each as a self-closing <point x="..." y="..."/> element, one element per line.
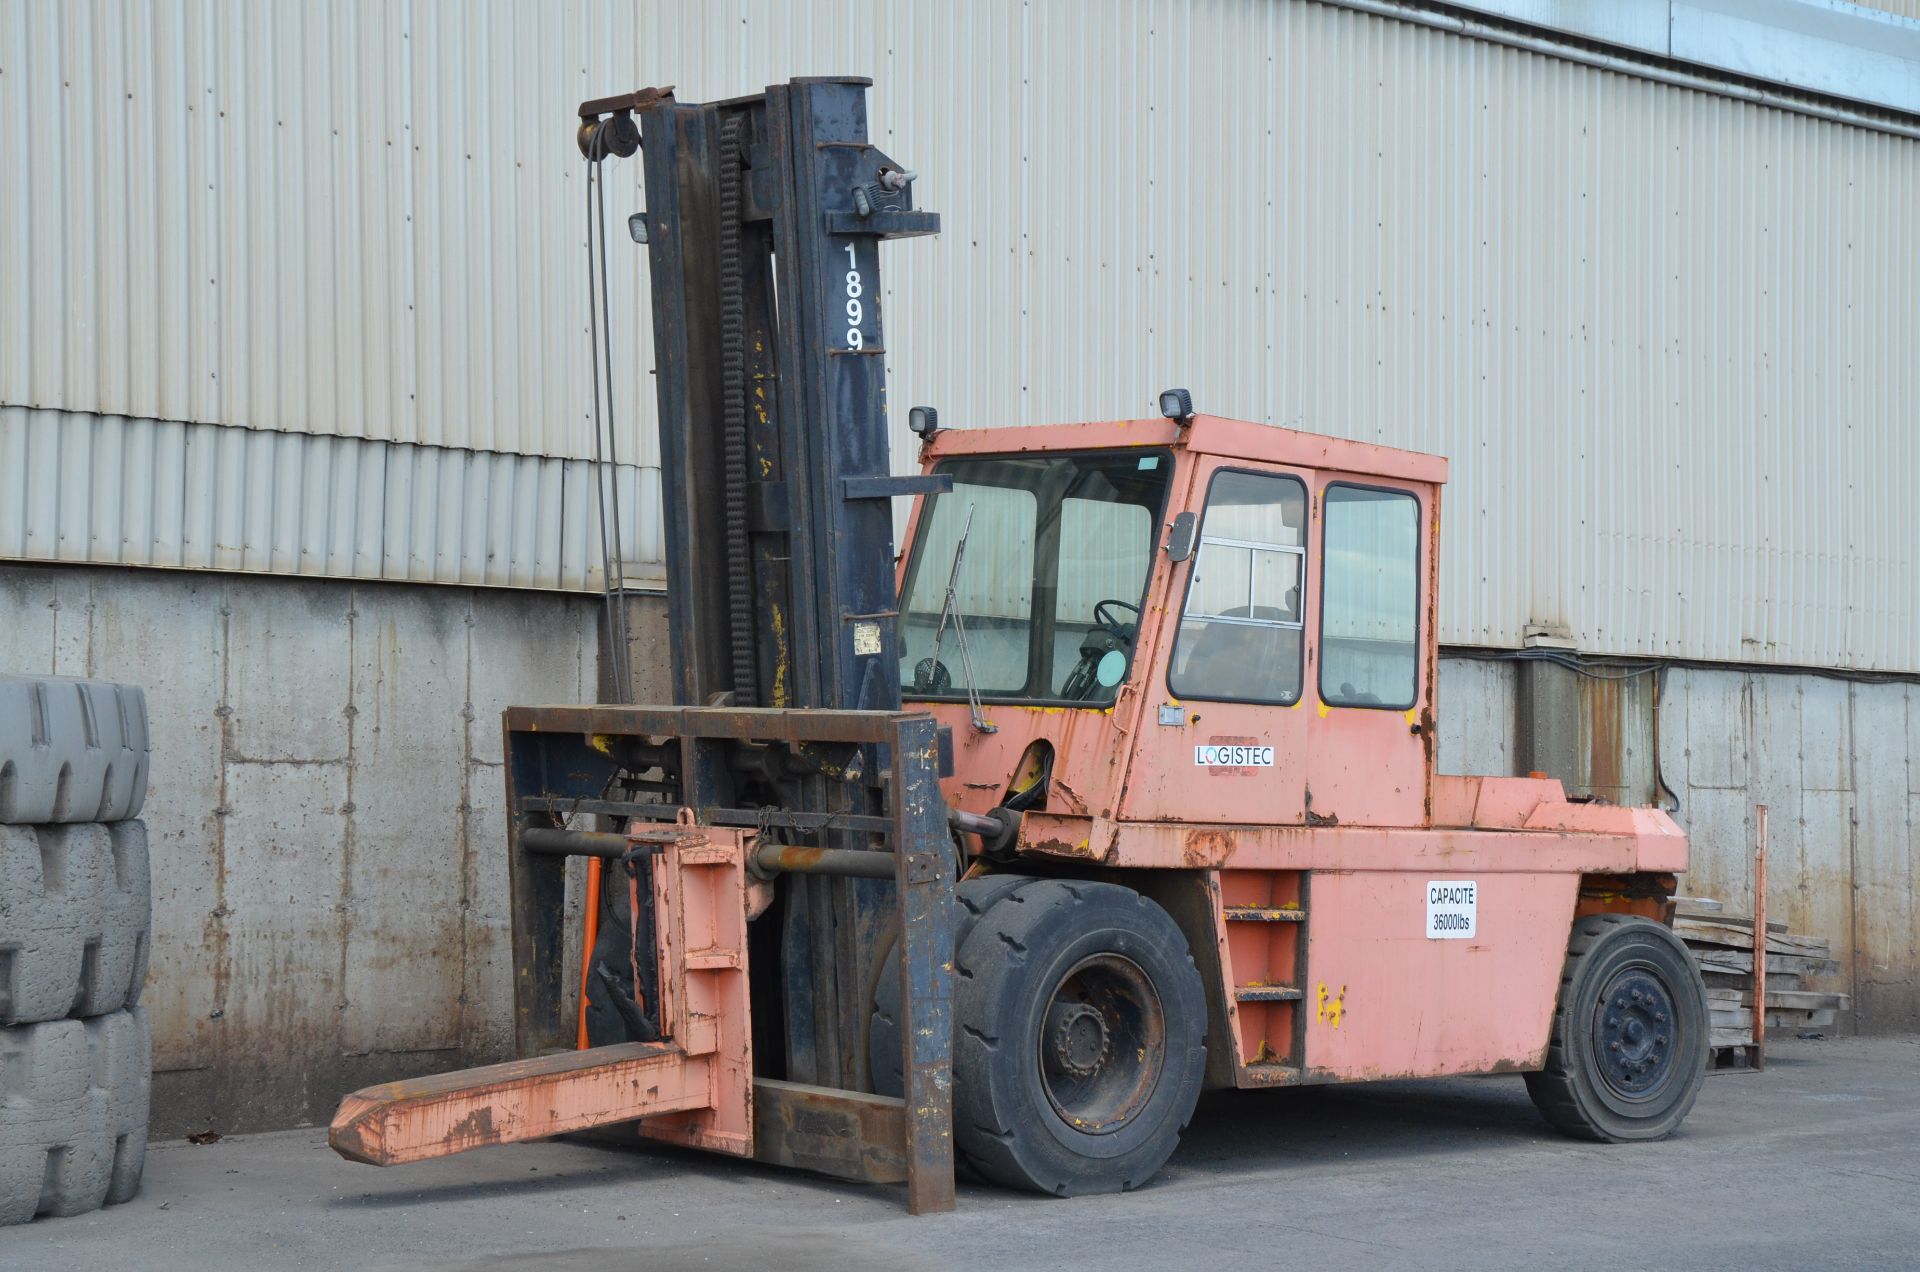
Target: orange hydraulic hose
<point x="586" y="950"/>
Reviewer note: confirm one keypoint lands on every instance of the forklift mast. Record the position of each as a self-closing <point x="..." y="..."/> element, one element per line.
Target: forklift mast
<point x="764" y="219"/>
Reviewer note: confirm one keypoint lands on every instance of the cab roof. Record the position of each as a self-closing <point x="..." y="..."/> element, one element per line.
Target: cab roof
<point x="1204" y="435"/>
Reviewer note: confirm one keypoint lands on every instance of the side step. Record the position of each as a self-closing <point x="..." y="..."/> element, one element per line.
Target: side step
<point x="410" y="1121"/>
<point x="1264" y="944"/>
<point x="1270" y="1074"/>
<point x="1264" y="914"/>
<point x="1267" y="993"/>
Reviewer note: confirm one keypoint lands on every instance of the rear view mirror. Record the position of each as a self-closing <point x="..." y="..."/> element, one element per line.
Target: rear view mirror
<point x="1180" y="538"/>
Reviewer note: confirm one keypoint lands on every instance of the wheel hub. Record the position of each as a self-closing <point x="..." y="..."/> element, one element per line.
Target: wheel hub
<point x="1634" y="1033"/>
<point x="1078" y="1040"/>
<point x="1103" y="1043"/>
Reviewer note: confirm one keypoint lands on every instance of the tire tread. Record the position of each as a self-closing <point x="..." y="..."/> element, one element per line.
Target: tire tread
<point x="74" y="1100"/>
<point x="77" y="912"/>
<point x="71" y="750"/>
<point x="1022" y="1156"/>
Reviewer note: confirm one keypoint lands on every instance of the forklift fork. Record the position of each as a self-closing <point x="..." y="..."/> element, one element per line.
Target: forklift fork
<point x="696" y="1087"/>
<point x="701" y="1072"/>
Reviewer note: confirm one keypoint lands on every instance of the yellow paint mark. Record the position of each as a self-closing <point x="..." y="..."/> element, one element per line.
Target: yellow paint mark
<point x="780" y="658"/>
<point x="1330" y="1008"/>
<point x="1031" y="770"/>
<point x="1324" y="709"/>
<point x="1413" y="715"/>
<point x="601" y="743"/>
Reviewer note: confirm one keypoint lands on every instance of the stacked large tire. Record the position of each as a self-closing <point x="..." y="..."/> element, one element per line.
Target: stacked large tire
<point x="76" y="1068"/>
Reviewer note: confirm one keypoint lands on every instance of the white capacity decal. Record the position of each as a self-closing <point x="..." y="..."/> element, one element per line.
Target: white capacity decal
<point x="1216" y="756"/>
<point x="1453" y="907"/>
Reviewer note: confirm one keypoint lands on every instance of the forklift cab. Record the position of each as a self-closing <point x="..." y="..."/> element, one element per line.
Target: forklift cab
<point x="1157" y="620"/>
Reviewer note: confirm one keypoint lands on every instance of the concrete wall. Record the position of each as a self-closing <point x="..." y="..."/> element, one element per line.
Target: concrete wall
<point x="325" y="814"/>
<point x="1837" y="762"/>
<point x="1838" y="765"/>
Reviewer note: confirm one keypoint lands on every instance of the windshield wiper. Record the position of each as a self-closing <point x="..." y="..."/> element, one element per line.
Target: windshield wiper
<point x="950" y="607"/>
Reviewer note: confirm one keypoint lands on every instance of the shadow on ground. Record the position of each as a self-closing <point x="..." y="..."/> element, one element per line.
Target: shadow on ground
<point x="1301" y="1129"/>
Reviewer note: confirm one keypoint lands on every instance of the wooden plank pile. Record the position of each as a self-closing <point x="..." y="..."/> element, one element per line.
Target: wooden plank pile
<point x="1722" y="944"/>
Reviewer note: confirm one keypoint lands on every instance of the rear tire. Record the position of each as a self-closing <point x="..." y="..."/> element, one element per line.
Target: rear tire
<point x="1081" y="1045"/>
<point x="1629" y="1045"/>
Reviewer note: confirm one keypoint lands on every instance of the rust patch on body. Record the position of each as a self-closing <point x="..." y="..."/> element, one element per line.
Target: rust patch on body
<point x="1062" y="848"/>
<point x="1204" y="849"/>
<point x="1069" y="797"/>
<point x="476" y="1126"/>
<point x="1429" y="740"/>
<point x="1319" y="819"/>
<point x="1529" y="1064"/>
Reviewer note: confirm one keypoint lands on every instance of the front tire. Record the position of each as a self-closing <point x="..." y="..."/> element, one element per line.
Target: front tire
<point x="1629" y="1046"/>
<point x="972" y="899"/>
<point x="1081" y="1044"/>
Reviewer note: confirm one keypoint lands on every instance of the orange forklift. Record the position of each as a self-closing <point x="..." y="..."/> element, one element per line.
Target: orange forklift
<point x="1117" y="784"/>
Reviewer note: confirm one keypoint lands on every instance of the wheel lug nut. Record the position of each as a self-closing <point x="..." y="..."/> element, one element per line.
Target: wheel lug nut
<point x="1614" y="1045"/>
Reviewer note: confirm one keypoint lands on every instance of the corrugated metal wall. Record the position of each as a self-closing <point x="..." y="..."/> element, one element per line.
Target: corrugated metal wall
<point x="105" y="489"/>
<point x="1905" y="8"/>
<point x="1665" y="336"/>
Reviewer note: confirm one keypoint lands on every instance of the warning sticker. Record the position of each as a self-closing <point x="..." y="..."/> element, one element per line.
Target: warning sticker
<point x="866" y="638"/>
<point x="1452" y="909"/>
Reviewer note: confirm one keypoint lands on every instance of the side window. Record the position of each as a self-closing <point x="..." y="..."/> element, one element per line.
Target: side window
<point x="1370" y="598"/>
<point x="1106" y="552"/>
<point x="993" y="595"/>
<point x="1239" y="636"/>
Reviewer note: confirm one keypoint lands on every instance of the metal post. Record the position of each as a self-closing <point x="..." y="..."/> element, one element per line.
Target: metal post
<point x="925" y="887"/>
<point x="1759" y="1057"/>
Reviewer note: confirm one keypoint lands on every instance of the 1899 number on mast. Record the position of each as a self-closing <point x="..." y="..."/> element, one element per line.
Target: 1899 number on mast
<point x="856" y="312"/>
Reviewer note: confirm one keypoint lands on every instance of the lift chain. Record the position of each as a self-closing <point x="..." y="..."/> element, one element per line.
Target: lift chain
<point x="733" y="357"/>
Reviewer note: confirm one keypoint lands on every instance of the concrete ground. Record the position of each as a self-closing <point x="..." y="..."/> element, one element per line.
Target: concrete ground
<point x="1815" y="1162"/>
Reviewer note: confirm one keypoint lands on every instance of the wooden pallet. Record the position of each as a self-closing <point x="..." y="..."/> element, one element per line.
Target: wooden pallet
<point x="1722" y="944"/>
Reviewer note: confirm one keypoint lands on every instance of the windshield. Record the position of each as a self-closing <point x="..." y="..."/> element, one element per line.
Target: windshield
<point x="1046" y="603"/>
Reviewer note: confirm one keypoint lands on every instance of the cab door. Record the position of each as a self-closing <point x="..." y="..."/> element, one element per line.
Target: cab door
<point x="1370" y="737"/>
<point x="1223" y="723"/>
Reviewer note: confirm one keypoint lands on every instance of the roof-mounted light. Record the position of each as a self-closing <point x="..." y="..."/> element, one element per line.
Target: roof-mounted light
<point x="1177" y="405"/>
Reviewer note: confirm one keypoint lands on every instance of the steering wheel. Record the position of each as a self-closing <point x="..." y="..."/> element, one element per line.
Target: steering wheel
<point x="932" y="676"/>
<point x="1124" y="631"/>
<point x="1108" y="635"/>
